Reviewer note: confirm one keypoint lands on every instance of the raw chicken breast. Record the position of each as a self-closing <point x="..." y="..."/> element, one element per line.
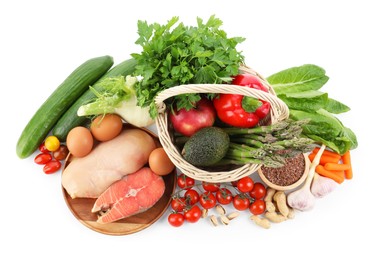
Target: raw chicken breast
<point x="133" y="194"/>
<point x="90" y="176"/>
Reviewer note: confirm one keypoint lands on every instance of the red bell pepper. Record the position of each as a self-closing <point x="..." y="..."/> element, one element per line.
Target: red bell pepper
<point x="242" y="111"/>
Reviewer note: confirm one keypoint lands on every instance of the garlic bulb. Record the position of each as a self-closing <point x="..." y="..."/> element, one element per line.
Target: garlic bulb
<point x="322" y="186"/>
<point x="303" y="199"/>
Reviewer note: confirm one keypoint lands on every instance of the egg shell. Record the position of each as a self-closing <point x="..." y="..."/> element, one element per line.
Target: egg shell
<point x="79" y="141"/>
<point x="159" y="162"/>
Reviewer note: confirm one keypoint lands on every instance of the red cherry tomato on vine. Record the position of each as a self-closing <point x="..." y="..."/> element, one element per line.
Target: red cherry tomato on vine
<point x="240" y="202"/>
<point x="258" y="191"/>
<point x="51" y="167"/>
<point x="224" y="196"/>
<point x="208" y="200"/>
<point x="257" y="207"/>
<point x="191" y="196"/>
<point x="178" y="204"/>
<point x="245" y="184"/>
<point x="185" y="182"/>
<point x="176" y="219"/>
<point x="42" y="158"/>
<point x="193" y="214"/>
<point x="213" y="187"/>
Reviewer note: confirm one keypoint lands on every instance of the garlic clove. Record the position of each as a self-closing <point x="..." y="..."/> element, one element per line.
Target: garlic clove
<point x="322" y="186"/>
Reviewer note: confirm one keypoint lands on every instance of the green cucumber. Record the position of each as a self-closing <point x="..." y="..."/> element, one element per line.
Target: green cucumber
<point x="70" y="119"/>
<point x="59" y="101"/>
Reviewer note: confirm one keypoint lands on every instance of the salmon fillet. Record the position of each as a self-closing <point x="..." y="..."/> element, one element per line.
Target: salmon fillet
<point x="133" y="194"/>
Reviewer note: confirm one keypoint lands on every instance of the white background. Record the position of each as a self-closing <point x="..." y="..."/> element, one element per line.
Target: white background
<point x="43" y="41"/>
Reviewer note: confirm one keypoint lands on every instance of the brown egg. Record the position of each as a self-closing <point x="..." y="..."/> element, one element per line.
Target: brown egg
<point x="79" y="141"/>
<point x="159" y="162"/>
<point x="106" y="127"/>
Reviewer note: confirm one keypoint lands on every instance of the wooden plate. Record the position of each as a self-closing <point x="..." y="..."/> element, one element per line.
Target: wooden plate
<point x="81" y="209"/>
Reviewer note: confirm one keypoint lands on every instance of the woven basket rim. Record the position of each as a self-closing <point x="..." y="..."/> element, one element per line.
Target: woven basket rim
<point x="279" y="112"/>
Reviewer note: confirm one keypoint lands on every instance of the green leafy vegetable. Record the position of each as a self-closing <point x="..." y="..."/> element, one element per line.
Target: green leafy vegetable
<point x="336" y="107"/>
<point x="175" y="54"/>
<point x="298" y="79"/>
<point x="327" y="129"/>
<point x="299" y="88"/>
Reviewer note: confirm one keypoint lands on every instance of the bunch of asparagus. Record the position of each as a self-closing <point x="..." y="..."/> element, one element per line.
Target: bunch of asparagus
<point x="267" y="145"/>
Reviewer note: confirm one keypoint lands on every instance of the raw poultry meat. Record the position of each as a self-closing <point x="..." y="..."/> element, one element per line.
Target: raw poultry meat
<point x="109" y="161"/>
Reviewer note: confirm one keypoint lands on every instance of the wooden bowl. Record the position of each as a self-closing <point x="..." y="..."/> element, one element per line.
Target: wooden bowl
<point x="81" y="207"/>
<point x="291" y="186"/>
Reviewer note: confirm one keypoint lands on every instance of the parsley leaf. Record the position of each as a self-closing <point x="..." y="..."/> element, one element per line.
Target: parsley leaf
<point x="174" y="54"/>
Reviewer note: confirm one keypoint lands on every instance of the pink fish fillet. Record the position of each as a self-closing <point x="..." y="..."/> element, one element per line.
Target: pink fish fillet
<point x="133" y="194"/>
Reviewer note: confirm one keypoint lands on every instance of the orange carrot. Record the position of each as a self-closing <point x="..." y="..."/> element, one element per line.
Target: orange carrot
<point x="324" y="159"/>
<point x="327" y="152"/>
<point x="337" y="166"/>
<point x="346" y="158"/>
<point x="330" y="174"/>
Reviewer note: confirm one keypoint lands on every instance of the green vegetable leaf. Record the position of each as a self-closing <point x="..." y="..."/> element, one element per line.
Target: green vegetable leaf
<point x="298" y="79"/>
<point x="310" y="101"/>
<point x="336" y="107"/>
<point x="174" y="54"/>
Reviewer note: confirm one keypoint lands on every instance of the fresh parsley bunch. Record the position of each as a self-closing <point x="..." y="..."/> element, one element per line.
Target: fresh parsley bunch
<point x="179" y="55"/>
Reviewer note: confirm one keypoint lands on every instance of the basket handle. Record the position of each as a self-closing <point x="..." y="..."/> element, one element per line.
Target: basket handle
<point x="279" y="110"/>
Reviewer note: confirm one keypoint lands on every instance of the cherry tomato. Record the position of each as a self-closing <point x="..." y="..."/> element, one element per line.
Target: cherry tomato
<point x="257" y="207"/>
<point x="191" y="197"/>
<point x="52" y="143"/>
<point x="185" y="182"/>
<point x="52" y="167"/>
<point x="240" y="202"/>
<point x="176" y="219"/>
<point x="234" y="183"/>
<point x="245" y="184"/>
<point x="208" y="200"/>
<point x="43" y="148"/>
<point x="193" y="214"/>
<point x="213" y="187"/>
<point x="61" y="153"/>
<point x="224" y="196"/>
<point x="258" y="191"/>
<point x="42" y="158"/>
<point x="178" y="204"/>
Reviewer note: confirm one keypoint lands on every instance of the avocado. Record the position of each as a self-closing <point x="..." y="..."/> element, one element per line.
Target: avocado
<point x="206" y="147"/>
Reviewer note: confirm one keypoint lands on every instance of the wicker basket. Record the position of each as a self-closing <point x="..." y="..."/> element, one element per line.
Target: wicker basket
<point x="279" y="112"/>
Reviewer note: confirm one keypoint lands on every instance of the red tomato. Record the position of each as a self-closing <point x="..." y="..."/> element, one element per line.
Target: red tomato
<point x="257" y="207"/>
<point x="193" y="214"/>
<point x="213" y="187"/>
<point x="258" y="191"/>
<point x="191" y="197"/>
<point x="61" y="153"/>
<point x="176" y="219"/>
<point x="43" y="148"/>
<point x="185" y="182"/>
<point x="178" y="204"/>
<point x="208" y="200"/>
<point x="52" y="167"/>
<point x="245" y="184"/>
<point x="240" y="202"/>
<point x="42" y="158"/>
<point x="224" y="196"/>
